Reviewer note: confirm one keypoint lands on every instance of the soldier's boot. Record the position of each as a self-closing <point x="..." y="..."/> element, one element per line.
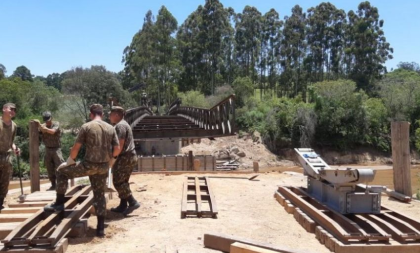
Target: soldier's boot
<point x="132" y="205"/>
<point x="58" y="205"/>
<point x="53" y="185"/>
<point x="100" y="229"/>
<point x="1" y="203"/>
<point x="121" y="208"/>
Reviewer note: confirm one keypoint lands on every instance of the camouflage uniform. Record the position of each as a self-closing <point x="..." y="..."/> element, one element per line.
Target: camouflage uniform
<point x="53" y="156"/>
<point x="99" y="138"/>
<point x="7" y="135"/>
<point x="126" y="161"/>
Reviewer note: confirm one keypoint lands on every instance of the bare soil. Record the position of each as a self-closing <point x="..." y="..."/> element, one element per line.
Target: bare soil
<point x="246" y="209"/>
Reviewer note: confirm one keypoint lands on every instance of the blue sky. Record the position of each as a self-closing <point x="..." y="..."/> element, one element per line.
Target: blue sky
<point x="50" y="36"/>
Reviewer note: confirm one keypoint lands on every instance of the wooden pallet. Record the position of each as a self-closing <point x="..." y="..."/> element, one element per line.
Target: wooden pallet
<point x="198" y="199"/>
<point x="388" y="232"/>
<point x="48" y="229"/>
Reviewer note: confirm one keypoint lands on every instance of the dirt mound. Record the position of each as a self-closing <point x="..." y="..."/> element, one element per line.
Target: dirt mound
<point x="245" y="150"/>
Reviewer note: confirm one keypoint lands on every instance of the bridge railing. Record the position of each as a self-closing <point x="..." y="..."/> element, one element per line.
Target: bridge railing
<point x="220" y="117"/>
<point x="134" y="115"/>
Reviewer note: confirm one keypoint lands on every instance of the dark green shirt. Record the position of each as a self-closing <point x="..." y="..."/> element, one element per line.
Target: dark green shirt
<point x="52" y="140"/>
<point x="125" y="133"/>
<point x="7" y="135"/>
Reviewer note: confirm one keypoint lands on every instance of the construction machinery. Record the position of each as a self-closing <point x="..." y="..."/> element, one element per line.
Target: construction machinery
<point x="337" y="188"/>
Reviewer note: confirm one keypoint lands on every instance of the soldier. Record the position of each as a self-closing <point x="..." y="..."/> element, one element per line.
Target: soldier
<point x="125" y="163"/>
<point x="7" y="136"/>
<point x="101" y="144"/>
<point x="51" y="133"/>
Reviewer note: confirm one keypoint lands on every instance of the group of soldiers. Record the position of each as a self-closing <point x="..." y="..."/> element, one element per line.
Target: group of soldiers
<point x="106" y="147"/>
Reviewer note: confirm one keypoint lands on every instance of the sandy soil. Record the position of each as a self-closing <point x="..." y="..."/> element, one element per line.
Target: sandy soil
<point x="246" y="209"/>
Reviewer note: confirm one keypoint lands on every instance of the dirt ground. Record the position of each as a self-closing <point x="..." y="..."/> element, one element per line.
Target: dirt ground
<point x="246" y="209"/>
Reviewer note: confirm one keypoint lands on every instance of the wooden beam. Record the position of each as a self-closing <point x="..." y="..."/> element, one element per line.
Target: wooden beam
<point x="34" y="155"/>
<point x="222" y="242"/>
<point x="198" y="196"/>
<point x="239" y="247"/>
<point x="400" y="134"/>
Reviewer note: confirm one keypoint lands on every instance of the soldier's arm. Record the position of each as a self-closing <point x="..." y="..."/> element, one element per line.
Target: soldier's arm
<point x="53" y="130"/>
<point x="75" y="150"/>
<point x="116" y="145"/>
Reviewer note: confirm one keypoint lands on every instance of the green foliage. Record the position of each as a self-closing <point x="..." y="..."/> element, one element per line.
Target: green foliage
<point x="417" y="136"/>
<point x="194" y="98"/>
<point x="2" y="71"/>
<point x="400" y="91"/>
<point x="377" y="134"/>
<point x="93" y="85"/>
<point x="243" y="89"/>
<point x="340" y="112"/>
<point x="23" y="73"/>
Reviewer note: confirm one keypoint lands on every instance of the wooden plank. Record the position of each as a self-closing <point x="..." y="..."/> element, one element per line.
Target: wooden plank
<point x="194" y="172"/>
<point x="239" y="247"/>
<point x="30" y="224"/>
<point x="184" y="199"/>
<point x="14" y="217"/>
<point x="401" y="157"/>
<point x="213" y="205"/>
<point x="19" y="210"/>
<point x="222" y="242"/>
<point x="345" y="231"/>
<point x="66" y="224"/>
<point x="6" y="228"/>
<point x="29" y="204"/>
<point x="198" y="196"/>
<point x="34" y="155"/>
<point x="60" y="248"/>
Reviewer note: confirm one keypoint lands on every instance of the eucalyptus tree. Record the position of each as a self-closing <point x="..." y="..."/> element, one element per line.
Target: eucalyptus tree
<point x="293" y="52"/>
<point x="248" y="41"/>
<point x="23" y="73"/>
<point x="2" y="71"/>
<point x="367" y="48"/>
<point x="325" y="37"/>
<point x="139" y="56"/>
<point x="270" y="48"/>
<point x="166" y="60"/>
<point x="190" y="51"/>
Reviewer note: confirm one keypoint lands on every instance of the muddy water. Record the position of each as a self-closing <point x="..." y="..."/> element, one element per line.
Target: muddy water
<point x="384" y="174"/>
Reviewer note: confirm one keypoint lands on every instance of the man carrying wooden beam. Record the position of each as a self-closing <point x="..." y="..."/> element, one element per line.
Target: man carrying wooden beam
<point x="51" y="133"/>
<point x="101" y="144"/>
<point x="125" y="163"/>
<point x="7" y="136"/>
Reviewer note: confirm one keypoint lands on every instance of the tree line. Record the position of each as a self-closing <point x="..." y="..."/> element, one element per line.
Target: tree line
<point x="214" y="46"/>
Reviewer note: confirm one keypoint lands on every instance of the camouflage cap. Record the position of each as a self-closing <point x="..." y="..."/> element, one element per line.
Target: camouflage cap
<point x="117" y="109"/>
<point x="11" y="105"/>
<point x="96" y="108"/>
<point x="46" y="116"/>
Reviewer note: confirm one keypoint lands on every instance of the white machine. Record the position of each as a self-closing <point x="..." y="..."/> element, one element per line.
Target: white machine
<point x="337" y="188"/>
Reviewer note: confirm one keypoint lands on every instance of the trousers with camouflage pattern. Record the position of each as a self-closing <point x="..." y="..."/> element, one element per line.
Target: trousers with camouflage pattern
<point x="53" y="158"/>
<point x="121" y="172"/>
<point x="5" y="172"/>
<point x="97" y="173"/>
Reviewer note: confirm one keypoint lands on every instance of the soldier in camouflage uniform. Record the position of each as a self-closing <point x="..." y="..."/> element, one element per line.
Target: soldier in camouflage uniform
<point x="125" y="163"/>
<point x="51" y="133"/>
<point x="7" y="136"/>
<point x="101" y="143"/>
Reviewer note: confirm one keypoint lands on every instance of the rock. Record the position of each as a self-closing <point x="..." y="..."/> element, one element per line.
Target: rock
<point x="241" y="154"/>
<point x="234" y="150"/>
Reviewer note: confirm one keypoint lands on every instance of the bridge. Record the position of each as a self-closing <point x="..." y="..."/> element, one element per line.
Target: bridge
<point x="183" y="121"/>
